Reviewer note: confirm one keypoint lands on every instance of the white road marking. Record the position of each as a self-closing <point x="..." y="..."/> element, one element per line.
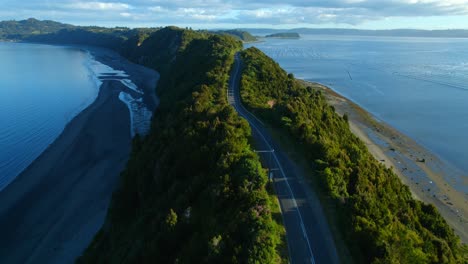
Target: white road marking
<point x="276" y="159"/>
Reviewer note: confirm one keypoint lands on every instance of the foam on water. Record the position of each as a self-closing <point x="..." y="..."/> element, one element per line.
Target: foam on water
<point x="101" y="69"/>
<point x="131" y="85"/>
<point x="102" y="72"/>
<point x="140" y="115"/>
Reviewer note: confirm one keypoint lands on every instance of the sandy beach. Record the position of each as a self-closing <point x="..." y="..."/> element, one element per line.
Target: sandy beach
<point x="52" y="210"/>
<point x="427" y="176"/>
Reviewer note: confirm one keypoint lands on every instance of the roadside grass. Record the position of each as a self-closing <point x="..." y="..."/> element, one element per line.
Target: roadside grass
<point x="277" y="216"/>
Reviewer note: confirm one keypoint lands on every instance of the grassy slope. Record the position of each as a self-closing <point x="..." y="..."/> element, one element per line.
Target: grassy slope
<point x="376" y="214"/>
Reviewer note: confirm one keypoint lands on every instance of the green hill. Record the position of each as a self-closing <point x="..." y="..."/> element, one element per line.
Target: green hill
<point x="240" y="34"/>
<point x="18" y="30"/>
<point x="33" y="30"/>
<point x="193" y="190"/>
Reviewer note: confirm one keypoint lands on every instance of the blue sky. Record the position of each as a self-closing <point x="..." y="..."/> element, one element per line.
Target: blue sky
<point x="367" y="14"/>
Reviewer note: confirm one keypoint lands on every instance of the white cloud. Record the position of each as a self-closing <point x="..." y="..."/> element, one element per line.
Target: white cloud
<point x="98" y="6"/>
<point x="158" y="9"/>
<point x="197" y="13"/>
<point x="273" y="12"/>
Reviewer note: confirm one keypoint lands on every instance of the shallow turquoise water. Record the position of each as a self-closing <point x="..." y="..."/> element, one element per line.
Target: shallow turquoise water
<point x="41" y="89"/>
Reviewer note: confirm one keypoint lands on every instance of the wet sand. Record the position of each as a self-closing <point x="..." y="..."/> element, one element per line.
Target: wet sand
<point x="426" y="175"/>
<point x="51" y="211"/>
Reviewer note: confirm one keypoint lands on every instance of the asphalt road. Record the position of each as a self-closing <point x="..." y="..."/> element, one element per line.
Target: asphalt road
<point x="308" y="235"/>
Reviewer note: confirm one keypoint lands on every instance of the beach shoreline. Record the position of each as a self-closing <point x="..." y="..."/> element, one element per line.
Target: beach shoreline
<point x="423" y="172"/>
<point x="52" y="210"/>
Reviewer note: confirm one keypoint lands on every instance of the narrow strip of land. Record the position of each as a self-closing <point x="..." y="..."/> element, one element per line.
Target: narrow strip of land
<point x="308" y="235"/>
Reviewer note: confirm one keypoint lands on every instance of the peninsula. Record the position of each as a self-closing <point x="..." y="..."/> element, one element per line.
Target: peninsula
<point x="217" y="178"/>
<point x="290" y="35"/>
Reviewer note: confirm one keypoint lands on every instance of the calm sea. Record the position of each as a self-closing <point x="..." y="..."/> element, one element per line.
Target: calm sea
<point x="41" y="89"/>
<point x="418" y="85"/>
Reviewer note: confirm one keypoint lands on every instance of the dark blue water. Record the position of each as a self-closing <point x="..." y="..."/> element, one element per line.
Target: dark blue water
<point x="41" y="89"/>
<point x="418" y="85"/>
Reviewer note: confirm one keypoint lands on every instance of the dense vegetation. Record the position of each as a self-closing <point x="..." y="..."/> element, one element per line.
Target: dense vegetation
<point x="17" y="30"/>
<point x="380" y="220"/>
<point x="118" y="38"/>
<point x="33" y="30"/>
<point x="193" y="190"/>
<point x="159" y="49"/>
<point x="284" y="35"/>
<point x="240" y="34"/>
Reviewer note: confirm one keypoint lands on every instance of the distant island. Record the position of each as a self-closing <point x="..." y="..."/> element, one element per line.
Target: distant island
<point x="448" y="33"/>
<point x="284" y="35"/>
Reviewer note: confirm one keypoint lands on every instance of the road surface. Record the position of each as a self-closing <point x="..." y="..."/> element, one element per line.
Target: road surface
<point x="308" y="236"/>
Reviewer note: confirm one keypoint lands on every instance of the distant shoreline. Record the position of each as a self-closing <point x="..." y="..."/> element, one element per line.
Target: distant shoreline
<point x="419" y="169"/>
<point x="447" y="33"/>
<point x="284" y="35"/>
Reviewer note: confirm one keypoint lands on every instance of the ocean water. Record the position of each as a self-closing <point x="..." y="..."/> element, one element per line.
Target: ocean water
<point x="417" y="85"/>
<point x="44" y="87"/>
<point x="41" y="89"/>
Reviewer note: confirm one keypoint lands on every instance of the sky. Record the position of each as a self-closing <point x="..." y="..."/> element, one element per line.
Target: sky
<point x="362" y="14"/>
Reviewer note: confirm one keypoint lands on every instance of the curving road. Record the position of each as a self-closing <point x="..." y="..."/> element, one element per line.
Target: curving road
<point x="308" y="236"/>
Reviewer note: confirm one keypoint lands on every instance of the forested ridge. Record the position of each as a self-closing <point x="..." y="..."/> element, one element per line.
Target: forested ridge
<point x="284" y="35"/>
<point x="193" y="190"/>
<point x="16" y="30"/>
<point x="120" y="39"/>
<point x="242" y="35"/>
<point x="377" y="215"/>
